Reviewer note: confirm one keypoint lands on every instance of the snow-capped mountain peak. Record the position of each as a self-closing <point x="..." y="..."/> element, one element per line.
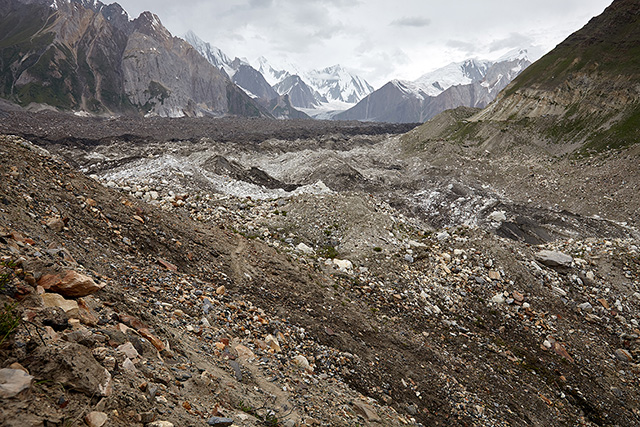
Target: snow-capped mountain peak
<point x="272" y="75"/>
<point x="454" y="74"/>
<point x="338" y="84"/>
<point x="214" y="55"/>
<point x="530" y="53"/>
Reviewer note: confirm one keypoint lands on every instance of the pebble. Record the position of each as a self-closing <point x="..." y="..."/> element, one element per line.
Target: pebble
<point x="559" y="291"/>
<point x="219" y="422"/>
<point x="554" y="258"/>
<point x="13" y="382"/>
<point x="96" y="419"/>
<point x="585" y="306"/>
<point x="623" y="355"/>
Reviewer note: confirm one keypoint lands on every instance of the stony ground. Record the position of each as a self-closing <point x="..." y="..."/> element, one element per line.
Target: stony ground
<point x="304" y="305"/>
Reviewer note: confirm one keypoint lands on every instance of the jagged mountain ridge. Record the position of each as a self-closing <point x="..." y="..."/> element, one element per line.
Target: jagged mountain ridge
<point x="471" y="83"/>
<point x="247" y="78"/>
<point x="466" y="72"/>
<point x="238" y="70"/>
<point x="300" y="93"/>
<point x="335" y="83"/>
<point x="84" y="55"/>
<point x="308" y="89"/>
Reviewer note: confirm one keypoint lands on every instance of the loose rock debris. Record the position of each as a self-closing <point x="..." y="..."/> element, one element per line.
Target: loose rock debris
<point x="200" y="322"/>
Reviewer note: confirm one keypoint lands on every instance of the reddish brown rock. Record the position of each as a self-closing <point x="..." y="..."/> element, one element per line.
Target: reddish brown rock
<point x="155" y="341"/>
<point x="561" y="351"/>
<point x="86" y="314"/>
<point x="167" y="265"/>
<point x="70" y="284"/>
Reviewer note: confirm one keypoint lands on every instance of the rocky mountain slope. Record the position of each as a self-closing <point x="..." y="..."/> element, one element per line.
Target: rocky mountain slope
<point x="253" y="272"/>
<point x="470" y="83"/>
<point x="239" y="71"/>
<point x="280" y="104"/>
<point x="583" y="95"/>
<point x="237" y="291"/>
<point x="82" y="55"/>
<point x="299" y="92"/>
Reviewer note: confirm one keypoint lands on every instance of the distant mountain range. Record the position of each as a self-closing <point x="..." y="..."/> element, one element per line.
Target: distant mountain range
<point x="307" y="90"/>
<point x="471" y="83"/>
<point x="84" y="55"/>
<point x="336" y="93"/>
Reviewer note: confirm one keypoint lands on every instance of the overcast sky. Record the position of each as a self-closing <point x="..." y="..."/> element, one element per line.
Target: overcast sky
<point x="378" y="39"/>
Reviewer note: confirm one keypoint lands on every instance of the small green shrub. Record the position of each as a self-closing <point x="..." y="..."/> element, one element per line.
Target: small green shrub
<point x="9" y="321"/>
<point x="328" y="252"/>
<point x="9" y="316"/>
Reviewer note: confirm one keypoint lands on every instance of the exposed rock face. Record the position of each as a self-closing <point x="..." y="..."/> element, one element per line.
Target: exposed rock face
<point x="300" y="94"/>
<point x="74" y="366"/>
<point x="89" y="56"/>
<point x="554" y="258"/>
<point x="250" y="79"/>
<point x="335" y="83"/>
<point x="281" y="108"/>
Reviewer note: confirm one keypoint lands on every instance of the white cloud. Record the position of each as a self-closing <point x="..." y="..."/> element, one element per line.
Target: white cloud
<point x="380" y="39"/>
<point x="411" y="21"/>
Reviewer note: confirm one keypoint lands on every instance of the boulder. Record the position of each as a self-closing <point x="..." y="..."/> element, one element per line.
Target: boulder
<point x="70" y="307"/>
<point x="554" y="258"/>
<point x="497" y="216"/>
<point x="305" y="249"/>
<point x="366" y="411"/>
<point x="343" y="265"/>
<point x="73" y="366"/>
<point x="70" y="284"/>
<point x="245" y="352"/>
<point x="56" y="224"/>
<point x="219" y="422"/>
<point x="273" y="343"/>
<point x="13" y="382"/>
<point x="302" y="362"/>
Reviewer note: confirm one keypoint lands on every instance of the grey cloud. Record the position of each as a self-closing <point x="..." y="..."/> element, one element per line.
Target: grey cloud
<point x="411" y="21"/>
<point x="462" y="45"/>
<point x="260" y="3"/>
<point x="512" y="41"/>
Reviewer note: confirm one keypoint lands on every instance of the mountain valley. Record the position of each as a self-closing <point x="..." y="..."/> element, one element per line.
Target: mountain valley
<point x="226" y="268"/>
